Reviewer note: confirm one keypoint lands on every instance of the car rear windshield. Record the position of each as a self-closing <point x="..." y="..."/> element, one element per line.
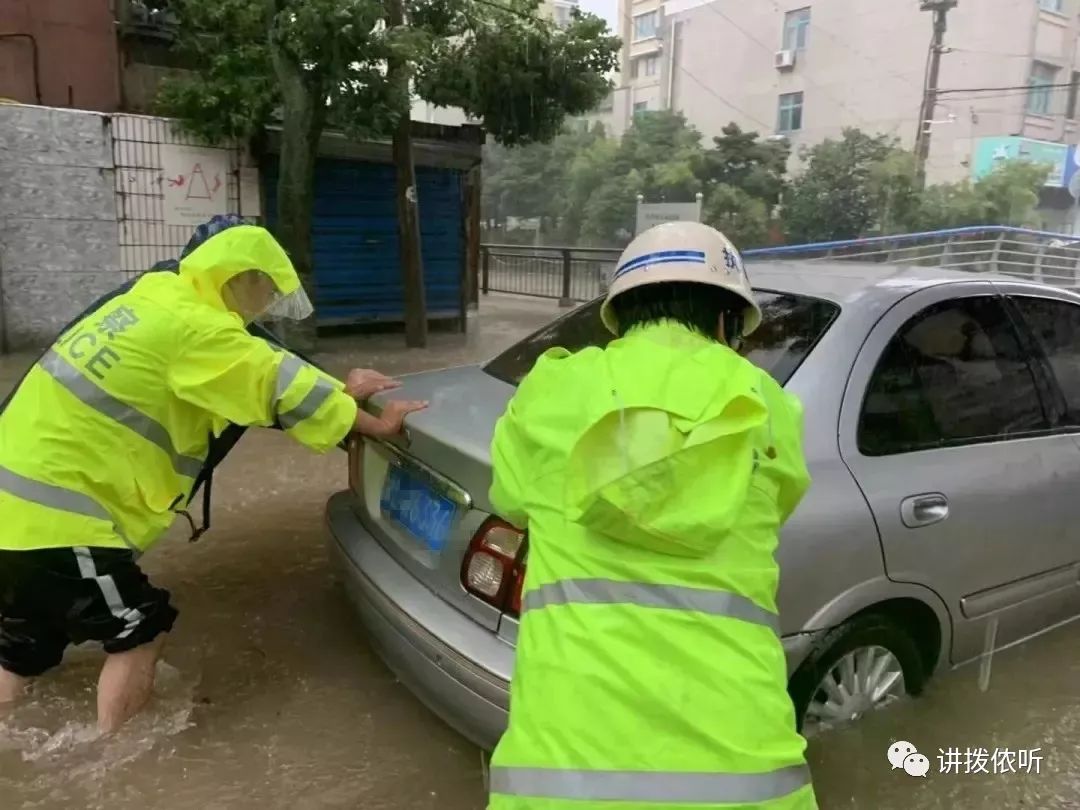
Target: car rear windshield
<point x="791" y="326"/>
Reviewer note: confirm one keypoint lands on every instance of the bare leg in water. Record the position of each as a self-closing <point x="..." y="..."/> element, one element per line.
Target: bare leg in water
<point x="11" y="686"/>
<point x="126" y="683"/>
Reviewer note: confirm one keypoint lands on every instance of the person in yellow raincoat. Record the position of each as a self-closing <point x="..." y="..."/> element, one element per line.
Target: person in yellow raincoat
<point x="652" y="477"/>
<point x="104" y="438"/>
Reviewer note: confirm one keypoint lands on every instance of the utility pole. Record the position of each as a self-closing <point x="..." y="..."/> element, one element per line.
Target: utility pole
<point x="940" y="9"/>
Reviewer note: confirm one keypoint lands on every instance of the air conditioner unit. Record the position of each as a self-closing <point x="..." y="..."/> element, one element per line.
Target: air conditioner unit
<point x="784" y="60"/>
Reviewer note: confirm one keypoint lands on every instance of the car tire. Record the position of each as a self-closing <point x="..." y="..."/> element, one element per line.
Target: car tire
<point x="867" y="631"/>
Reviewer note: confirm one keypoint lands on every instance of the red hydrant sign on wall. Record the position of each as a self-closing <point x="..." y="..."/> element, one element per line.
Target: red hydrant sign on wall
<point x="195" y="183"/>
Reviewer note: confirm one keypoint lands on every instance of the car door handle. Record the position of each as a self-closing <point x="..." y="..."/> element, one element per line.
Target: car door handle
<point x="924" y="510"/>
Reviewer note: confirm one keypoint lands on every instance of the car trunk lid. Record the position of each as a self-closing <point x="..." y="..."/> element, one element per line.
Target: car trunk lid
<point x="424" y="496"/>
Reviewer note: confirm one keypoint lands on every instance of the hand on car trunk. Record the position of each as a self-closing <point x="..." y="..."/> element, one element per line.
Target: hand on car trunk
<point x="390" y="422"/>
<point x="365" y="382"/>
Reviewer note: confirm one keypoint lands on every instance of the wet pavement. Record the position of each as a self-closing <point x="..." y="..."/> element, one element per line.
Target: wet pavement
<point x="270" y="697"/>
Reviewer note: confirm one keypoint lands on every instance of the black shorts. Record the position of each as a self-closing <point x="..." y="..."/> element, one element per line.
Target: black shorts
<point x="50" y="598"/>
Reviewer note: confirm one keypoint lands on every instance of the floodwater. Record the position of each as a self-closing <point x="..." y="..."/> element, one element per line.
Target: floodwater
<point x="269" y="696"/>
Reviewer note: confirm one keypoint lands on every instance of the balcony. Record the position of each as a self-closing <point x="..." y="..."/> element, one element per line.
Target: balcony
<point x="146" y="20"/>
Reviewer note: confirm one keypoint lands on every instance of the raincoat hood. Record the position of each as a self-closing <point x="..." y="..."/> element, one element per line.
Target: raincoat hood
<point x="671" y="406"/>
<point x="210" y="262"/>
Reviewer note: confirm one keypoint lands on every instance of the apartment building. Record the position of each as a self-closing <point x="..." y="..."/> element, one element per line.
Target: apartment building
<point x="805" y="69"/>
<point x="559" y="10"/>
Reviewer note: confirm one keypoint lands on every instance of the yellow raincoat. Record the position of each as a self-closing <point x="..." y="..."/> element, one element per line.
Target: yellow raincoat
<point x="103" y="439"/>
<point x="653" y="477"/>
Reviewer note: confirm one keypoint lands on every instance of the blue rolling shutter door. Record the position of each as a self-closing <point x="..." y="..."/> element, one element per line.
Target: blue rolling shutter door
<point x="355" y="241"/>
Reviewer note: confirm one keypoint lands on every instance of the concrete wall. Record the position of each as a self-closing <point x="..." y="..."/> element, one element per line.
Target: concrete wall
<point x="77" y="53"/>
<point x="58" y="228"/>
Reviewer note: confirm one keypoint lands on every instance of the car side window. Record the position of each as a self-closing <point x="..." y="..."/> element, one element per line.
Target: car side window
<point x="1056" y="326"/>
<point x="953" y="374"/>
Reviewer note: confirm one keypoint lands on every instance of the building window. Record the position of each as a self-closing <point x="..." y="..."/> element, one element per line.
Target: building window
<point x="1057" y="6"/>
<point x="646" y="66"/>
<point x="640" y="107"/>
<point x="789" y="118"/>
<point x="796" y="29"/>
<point x="645" y="25"/>
<point x="1074" y="85"/>
<point x="1039" y="92"/>
<point x="562" y="15"/>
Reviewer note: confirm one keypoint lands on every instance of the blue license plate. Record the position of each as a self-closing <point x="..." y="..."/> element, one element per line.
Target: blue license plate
<point x="411" y="502"/>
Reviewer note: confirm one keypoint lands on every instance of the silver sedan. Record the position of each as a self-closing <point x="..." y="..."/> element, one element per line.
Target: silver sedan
<point x="942" y="431"/>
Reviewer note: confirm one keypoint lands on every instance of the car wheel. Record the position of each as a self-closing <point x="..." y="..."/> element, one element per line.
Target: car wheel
<point x="861" y="666"/>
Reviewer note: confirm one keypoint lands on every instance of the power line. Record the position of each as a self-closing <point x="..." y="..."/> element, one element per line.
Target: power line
<point x="1026" y="87"/>
<point x="630" y="19"/>
<point x="954" y="48"/>
<point x="717" y="96"/>
<point x="816" y="26"/>
<point x="712" y="7"/>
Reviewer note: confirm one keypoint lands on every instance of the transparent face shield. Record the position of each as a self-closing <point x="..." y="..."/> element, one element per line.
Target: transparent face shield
<point x="254" y="297"/>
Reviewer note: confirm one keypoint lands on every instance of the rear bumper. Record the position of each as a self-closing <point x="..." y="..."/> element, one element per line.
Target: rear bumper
<point x="419" y="636"/>
<point x="422" y="638"/>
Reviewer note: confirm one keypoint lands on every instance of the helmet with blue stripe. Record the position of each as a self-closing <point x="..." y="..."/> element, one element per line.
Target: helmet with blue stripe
<point x="686" y="252"/>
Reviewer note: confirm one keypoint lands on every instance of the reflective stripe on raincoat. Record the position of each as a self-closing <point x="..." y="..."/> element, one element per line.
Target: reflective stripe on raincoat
<point x="653" y="477"/>
<point x="105" y="436"/>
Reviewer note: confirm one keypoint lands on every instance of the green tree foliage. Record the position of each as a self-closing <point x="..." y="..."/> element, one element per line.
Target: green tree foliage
<point x="589" y="170"/>
<point x="542" y="179"/>
<point x="666" y="152"/>
<point x="609" y="213"/>
<point x="894" y="189"/>
<point x="585" y="185"/>
<point x="866" y="184"/>
<point x="1006" y="196"/>
<point x="521" y="76"/>
<point x="318" y="63"/>
<point x="743" y="218"/>
<point x="1010" y="193"/>
<point x="836" y="197"/>
<point x="743" y="177"/>
<point x="742" y="160"/>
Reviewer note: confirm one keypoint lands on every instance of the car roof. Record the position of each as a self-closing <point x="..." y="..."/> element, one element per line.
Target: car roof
<point x="842" y="281"/>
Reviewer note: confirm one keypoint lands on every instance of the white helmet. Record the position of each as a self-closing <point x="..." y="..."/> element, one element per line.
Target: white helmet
<point x="682" y="251"/>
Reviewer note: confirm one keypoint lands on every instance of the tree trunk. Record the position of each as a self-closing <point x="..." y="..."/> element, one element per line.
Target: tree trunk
<point x="472" y="265"/>
<point x="304" y="113"/>
<point x="412" y="268"/>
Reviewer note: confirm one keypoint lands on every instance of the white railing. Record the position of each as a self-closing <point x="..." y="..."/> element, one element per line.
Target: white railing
<point x="578" y="274"/>
<point x="1049" y="258"/>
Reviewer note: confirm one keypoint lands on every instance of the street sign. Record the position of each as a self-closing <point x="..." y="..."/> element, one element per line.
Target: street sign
<point x="195" y="183"/>
<point x="650" y="214"/>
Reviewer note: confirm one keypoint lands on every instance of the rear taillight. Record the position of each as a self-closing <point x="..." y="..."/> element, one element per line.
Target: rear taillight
<point x="494" y="565"/>
<point x="356" y="451"/>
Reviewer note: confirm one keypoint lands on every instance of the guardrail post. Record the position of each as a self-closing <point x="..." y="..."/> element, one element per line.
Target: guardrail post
<point x="485" y="269"/>
<point x="566" y="300"/>
<point x="1037" y="272"/>
<point x="996" y="252"/>
<point x="946" y="251"/>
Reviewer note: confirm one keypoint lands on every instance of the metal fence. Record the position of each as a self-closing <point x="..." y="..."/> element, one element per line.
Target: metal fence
<point x="140" y="198"/>
<point x="580" y="274"/>
<point x="568" y="274"/>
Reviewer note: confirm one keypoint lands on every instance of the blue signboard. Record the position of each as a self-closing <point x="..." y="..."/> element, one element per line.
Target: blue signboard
<point x="1072" y="168"/>
<point x="989" y="152"/>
